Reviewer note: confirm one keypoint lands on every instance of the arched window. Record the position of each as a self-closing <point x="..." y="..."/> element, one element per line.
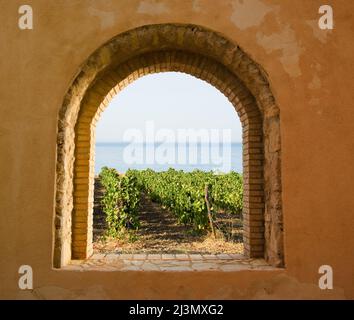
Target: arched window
<point x="162" y="48"/>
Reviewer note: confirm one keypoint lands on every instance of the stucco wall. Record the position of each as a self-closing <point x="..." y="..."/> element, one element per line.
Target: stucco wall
<point x="311" y="72"/>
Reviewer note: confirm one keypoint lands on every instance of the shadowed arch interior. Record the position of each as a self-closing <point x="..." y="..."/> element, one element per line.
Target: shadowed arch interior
<point x="160" y="48"/>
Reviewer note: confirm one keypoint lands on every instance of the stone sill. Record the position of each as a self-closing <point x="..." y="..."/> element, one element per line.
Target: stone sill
<point x="168" y="263"/>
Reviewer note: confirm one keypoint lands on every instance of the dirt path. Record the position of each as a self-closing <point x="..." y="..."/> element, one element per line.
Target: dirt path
<point x="159" y="233"/>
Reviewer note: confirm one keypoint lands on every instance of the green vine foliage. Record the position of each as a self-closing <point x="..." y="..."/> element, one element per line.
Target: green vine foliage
<point x="120" y="201"/>
<point x="184" y="193"/>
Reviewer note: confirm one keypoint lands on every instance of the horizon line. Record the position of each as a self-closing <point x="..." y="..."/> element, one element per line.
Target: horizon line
<point x="151" y="142"/>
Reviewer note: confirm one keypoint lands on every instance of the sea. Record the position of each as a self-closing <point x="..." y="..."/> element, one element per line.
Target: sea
<point x="215" y="157"/>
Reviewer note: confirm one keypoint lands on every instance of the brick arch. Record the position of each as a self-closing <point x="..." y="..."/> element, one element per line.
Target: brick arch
<point x="160" y="48"/>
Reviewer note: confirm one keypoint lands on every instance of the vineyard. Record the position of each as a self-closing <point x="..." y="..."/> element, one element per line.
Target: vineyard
<point x="181" y="193"/>
<point x="184" y="193"/>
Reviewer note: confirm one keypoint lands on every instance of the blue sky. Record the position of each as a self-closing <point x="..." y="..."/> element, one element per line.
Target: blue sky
<point x="171" y="100"/>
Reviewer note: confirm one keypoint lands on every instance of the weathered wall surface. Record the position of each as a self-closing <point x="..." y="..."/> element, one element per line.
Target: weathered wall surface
<point x="312" y="78"/>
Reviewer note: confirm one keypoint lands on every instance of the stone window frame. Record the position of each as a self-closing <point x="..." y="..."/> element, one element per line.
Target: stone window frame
<point x="190" y="49"/>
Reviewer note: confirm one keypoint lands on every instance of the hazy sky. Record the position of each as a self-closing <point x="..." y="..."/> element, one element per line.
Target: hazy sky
<point x="167" y="100"/>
